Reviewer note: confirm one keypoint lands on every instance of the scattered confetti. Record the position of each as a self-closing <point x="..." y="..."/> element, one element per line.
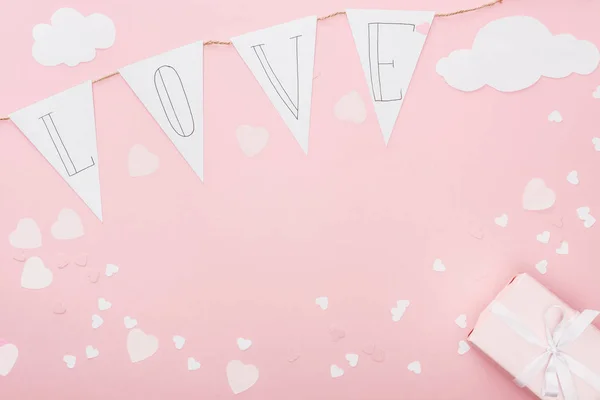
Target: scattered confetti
<point x="240" y="376"/>
<point x="398" y="311"/>
<point x="140" y="345"/>
<point x="244" y="344"/>
<point x="179" y="342"/>
<point x="192" y="364"/>
<point x="97" y="321"/>
<point x="81" y="260"/>
<point x="103" y="304"/>
<point x="584" y="214"/>
<point x="461" y="321"/>
<point x="91" y="352"/>
<point x="563" y="249"/>
<point x="93" y="276"/>
<point x="378" y="355"/>
<point x="573" y="178"/>
<point x="130" y="322"/>
<point x="543" y="237"/>
<point x="555" y="116"/>
<point x="463" y="347"/>
<point x="9" y="353"/>
<point x="111" y="269"/>
<point x="501" y="221"/>
<point x="336" y="333"/>
<point x="415" y="367"/>
<point x="59" y="309"/>
<point x="322" y="302"/>
<point x="27" y="235"/>
<point x="70" y="361"/>
<point x="352" y="359"/>
<point x="438" y="265"/>
<point x="537" y="196"/>
<point x="35" y="275"/>
<point x="336" y="371"/>
<point x="542" y="267"/>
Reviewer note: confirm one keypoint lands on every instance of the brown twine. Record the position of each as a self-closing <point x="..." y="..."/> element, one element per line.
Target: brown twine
<point x="332" y="15"/>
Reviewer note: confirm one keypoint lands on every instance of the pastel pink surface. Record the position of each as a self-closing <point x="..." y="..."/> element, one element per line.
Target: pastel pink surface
<point x="528" y="300"/>
<point x="247" y="252"/>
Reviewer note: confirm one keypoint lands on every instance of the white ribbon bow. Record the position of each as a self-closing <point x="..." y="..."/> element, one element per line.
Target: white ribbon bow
<point x="559" y="366"/>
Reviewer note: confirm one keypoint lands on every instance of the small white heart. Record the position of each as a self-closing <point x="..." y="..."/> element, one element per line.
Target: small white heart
<point x="398" y="311"/>
<point x="336" y="371"/>
<point x="193" y="364"/>
<point x="543" y="237"/>
<point x="563" y="249"/>
<point x="573" y="178"/>
<point x="415" y="367"/>
<point x="70" y="360"/>
<point x="91" y="352"/>
<point x="179" y="342"/>
<point x="111" y="269"/>
<point x="502" y="220"/>
<point x="542" y="267"/>
<point x="97" y="321"/>
<point x="596" y="93"/>
<point x="244" y="344"/>
<point x="130" y="322"/>
<point x="322" y="302"/>
<point x="596" y="143"/>
<point x="463" y="347"/>
<point x="589" y="221"/>
<point x="103" y="304"/>
<point x="352" y="359"/>
<point x="438" y="265"/>
<point x="583" y="212"/>
<point x="555" y="116"/>
<point x="461" y="321"/>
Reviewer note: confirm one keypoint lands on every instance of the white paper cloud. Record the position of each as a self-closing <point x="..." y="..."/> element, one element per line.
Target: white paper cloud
<point x="513" y="53"/>
<point x="71" y="38"/>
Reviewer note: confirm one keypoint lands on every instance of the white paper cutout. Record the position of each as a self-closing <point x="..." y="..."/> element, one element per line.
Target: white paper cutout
<point x="322" y="302"/>
<point x="573" y="177"/>
<point x="389" y="47"/>
<point x="352" y="359"/>
<point x="513" y="53"/>
<point x="240" y="376"/>
<point x="63" y="129"/>
<point x="141" y="161"/>
<point x="335" y="371"/>
<point x="71" y="38"/>
<point x="563" y="249"/>
<point x="179" y="342"/>
<point x="170" y="85"/>
<point x="543" y="237"/>
<point x="103" y="304"/>
<point x="584" y="214"/>
<point x="415" y="367"/>
<point x="463" y="347"/>
<point x="97" y="321"/>
<point x="251" y="139"/>
<point x="91" y="352"/>
<point x="244" y="344"/>
<point x="596" y="93"/>
<point x="461" y="321"/>
<point x="27" y="235"/>
<point x="282" y="60"/>
<point x="130" y="322"/>
<point x="351" y="108"/>
<point x="192" y="364"/>
<point x="67" y="226"/>
<point x="9" y="353"/>
<point x="140" y="345"/>
<point x="537" y="196"/>
<point x="555" y="116"/>
<point x="438" y="265"/>
<point x="35" y="275"/>
<point x="70" y="361"/>
<point x="111" y="269"/>
<point x="596" y="143"/>
<point x="501" y="221"/>
<point x="542" y="266"/>
<point x="399" y="310"/>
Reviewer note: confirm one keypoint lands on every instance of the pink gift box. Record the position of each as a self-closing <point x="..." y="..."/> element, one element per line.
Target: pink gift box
<point x="534" y="308"/>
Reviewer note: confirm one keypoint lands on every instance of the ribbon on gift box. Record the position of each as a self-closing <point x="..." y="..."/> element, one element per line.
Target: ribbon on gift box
<point x="559" y="366"/>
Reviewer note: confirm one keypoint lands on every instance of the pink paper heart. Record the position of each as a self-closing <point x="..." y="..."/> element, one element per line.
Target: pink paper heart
<point x="336" y="333"/>
<point x="293" y="358"/>
<point x="94" y="276"/>
<point x="59" y="309"/>
<point x="423" y="28"/>
<point x="81" y="260"/>
<point x="61" y="261"/>
<point x="558" y="222"/>
<point x="476" y="230"/>
<point x="369" y="349"/>
<point x="378" y="355"/>
<point x="20" y="257"/>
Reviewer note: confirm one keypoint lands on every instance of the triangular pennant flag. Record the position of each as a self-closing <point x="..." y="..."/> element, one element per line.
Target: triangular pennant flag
<point x="389" y="44"/>
<point x="63" y="129"/>
<point x="282" y="59"/>
<point x="170" y="85"/>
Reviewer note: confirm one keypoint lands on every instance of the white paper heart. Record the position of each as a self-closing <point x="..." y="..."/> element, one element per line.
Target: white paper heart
<point x="461" y="321"/>
<point x="35" y="275"/>
<point x="596" y="93"/>
<point x="596" y="143"/>
<point x="130" y="322"/>
<point x="111" y="269"/>
<point x="67" y="226"/>
<point x="179" y="342"/>
<point x="240" y="376"/>
<point x="438" y="265"/>
<point x="70" y="361"/>
<point x="91" y="352"/>
<point x="104" y="304"/>
<point x="543" y="237"/>
<point x="589" y="221"/>
<point x="27" y="235"/>
<point x="542" y="267"/>
<point x="555" y="116"/>
<point x="463" y="347"/>
<point x="415" y="367"/>
<point x="335" y="371"/>
<point x="501" y="221"/>
<point x="573" y="178"/>
<point x="322" y="302"/>
<point x="583" y="212"/>
<point x="244" y="344"/>
<point x="251" y="139"/>
<point x="399" y="310"/>
<point x="140" y="346"/>
<point x="9" y="353"/>
<point x="97" y="321"/>
<point x="537" y="196"/>
<point x="351" y="108"/>
<point x="141" y="161"/>
<point x="563" y="249"/>
<point x="192" y="364"/>
<point x="352" y="359"/>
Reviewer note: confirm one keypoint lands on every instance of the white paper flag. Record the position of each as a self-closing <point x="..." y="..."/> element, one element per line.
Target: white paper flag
<point x="170" y="85"/>
<point x="63" y="129"/>
<point x="389" y="44"/>
<point x="282" y="59"/>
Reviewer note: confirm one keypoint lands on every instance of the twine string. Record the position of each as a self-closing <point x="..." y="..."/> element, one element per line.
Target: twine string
<point x="323" y="18"/>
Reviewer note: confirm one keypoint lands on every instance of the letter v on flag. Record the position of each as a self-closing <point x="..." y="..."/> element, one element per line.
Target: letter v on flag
<point x="389" y="44"/>
<point x="282" y="59"/>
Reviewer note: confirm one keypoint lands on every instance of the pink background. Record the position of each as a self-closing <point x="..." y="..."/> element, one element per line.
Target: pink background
<point x="247" y="252"/>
